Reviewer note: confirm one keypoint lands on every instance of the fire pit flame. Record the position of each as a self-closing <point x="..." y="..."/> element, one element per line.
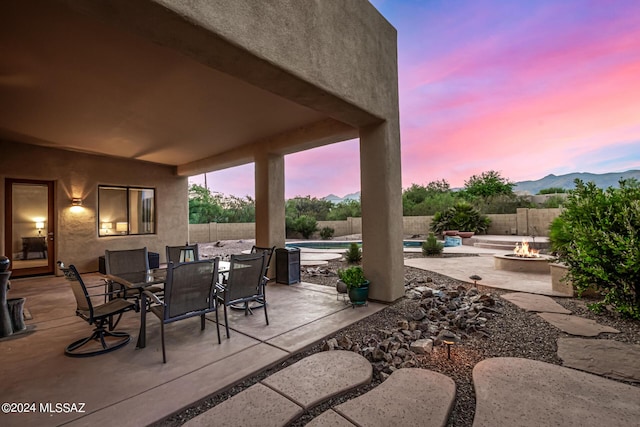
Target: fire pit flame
<point x="522" y="250"/>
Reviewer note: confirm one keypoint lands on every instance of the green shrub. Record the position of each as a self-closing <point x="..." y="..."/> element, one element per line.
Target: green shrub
<point x="559" y="236"/>
<point x="305" y="225"/>
<point x="353" y="255"/>
<point x="326" y="233"/>
<point x="353" y="277"/>
<point x="431" y="246"/>
<point x="461" y="216"/>
<point x="552" y="190"/>
<point x="604" y="244"/>
<point x="553" y="202"/>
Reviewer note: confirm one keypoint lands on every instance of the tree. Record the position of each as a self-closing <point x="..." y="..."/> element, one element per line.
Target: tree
<point x="316" y="208"/>
<point x="438" y="186"/>
<point x="237" y="209"/>
<point x="344" y="210"/>
<point x="487" y="184"/>
<point x="598" y="237"/>
<point x="203" y="206"/>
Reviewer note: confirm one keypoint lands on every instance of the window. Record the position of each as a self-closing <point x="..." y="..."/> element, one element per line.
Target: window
<point x="126" y="211"/>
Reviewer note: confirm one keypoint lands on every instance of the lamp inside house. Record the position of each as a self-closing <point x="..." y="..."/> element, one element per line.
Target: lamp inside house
<point x="106" y="227"/>
<point x="39" y="226"/>
<point x="122" y="227"/>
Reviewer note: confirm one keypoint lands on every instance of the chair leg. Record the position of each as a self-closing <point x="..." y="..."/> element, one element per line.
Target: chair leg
<point x="98" y="335"/>
<point x="226" y="320"/>
<point x="266" y="317"/>
<point x="218" y="326"/>
<point x="164" y="355"/>
<point x="202" y="322"/>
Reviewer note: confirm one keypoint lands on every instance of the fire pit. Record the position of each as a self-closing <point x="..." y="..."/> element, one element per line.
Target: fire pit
<point x="523" y="260"/>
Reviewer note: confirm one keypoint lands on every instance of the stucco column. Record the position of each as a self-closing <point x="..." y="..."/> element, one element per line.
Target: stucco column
<point x="381" y="198"/>
<point x="270" y="223"/>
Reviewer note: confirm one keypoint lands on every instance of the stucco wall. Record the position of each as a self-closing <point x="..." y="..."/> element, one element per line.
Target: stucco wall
<point x="78" y="175"/>
<point x="519" y="224"/>
<point x="346" y="48"/>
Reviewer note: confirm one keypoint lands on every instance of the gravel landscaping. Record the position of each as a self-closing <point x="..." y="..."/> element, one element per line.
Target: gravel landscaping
<point x="492" y="327"/>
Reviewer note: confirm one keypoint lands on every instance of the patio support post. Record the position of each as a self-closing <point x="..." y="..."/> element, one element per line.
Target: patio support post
<point x="381" y="198"/>
<point x="269" y="185"/>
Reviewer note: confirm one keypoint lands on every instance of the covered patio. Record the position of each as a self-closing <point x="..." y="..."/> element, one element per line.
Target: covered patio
<point x="144" y="94"/>
<point x="132" y="387"/>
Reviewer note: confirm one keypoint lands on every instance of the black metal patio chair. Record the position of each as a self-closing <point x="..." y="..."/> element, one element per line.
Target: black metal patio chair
<point x="245" y="284"/>
<point x="98" y="315"/>
<point x="189" y="291"/>
<point x="128" y="261"/>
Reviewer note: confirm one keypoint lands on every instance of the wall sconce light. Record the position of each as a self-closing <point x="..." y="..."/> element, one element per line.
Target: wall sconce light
<point x="76" y="204"/>
<point x="39" y="226"/>
<point x="122" y="227"/>
<point x="106" y="226"/>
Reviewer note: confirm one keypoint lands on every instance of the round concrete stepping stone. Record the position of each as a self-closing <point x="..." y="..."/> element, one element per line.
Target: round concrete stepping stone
<point x="533" y="302"/>
<point x="256" y="406"/>
<point x="409" y="397"/>
<point x="330" y="418"/>
<point x="610" y="358"/>
<point x="576" y="325"/>
<point x="321" y="376"/>
<point x="522" y="392"/>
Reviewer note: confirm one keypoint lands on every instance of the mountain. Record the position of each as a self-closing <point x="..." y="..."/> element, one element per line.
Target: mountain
<point x="335" y="199"/>
<point x="603" y="180"/>
<point x="566" y="181"/>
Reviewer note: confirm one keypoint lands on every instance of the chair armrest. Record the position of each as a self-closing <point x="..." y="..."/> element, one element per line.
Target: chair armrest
<point x="153" y="297"/>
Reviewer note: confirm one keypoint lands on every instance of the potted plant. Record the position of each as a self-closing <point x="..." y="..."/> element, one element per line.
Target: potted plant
<point x="357" y="284"/>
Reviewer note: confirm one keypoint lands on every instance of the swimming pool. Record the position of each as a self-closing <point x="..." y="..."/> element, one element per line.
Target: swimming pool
<point x="343" y="244"/>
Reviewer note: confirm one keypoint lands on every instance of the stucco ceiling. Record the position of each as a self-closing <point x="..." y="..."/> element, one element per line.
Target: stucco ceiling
<point x="71" y="82"/>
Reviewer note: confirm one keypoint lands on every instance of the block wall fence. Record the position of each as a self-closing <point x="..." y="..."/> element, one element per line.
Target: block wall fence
<point x="526" y="222"/>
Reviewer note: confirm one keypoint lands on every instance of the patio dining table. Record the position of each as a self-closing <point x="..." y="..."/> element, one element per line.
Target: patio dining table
<point x="140" y="280"/>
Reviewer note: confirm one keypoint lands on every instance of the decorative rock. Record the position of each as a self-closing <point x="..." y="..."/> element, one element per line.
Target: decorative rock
<point x="403" y="324"/>
<point x="531" y="302"/>
<point x="610" y="358"/>
<point x="576" y="325"/>
<point x="330" y="344"/>
<point x="424" y="346"/>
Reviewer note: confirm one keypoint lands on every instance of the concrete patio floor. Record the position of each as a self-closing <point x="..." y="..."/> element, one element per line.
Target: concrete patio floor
<point x="132" y="387"/>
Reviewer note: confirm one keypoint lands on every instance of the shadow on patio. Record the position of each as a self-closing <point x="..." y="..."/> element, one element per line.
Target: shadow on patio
<point x="132" y="386"/>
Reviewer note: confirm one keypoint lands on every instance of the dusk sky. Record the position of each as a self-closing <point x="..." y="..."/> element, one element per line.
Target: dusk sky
<point x="526" y="88"/>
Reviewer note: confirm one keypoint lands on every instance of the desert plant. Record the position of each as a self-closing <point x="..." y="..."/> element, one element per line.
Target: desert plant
<point x="604" y="244"/>
<point x="461" y="216"/>
<point x="353" y="276"/>
<point x="326" y="233"/>
<point x="559" y="237"/>
<point x="305" y="225"/>
<point x="432" y="246"/>
<point x="353" y="255"/>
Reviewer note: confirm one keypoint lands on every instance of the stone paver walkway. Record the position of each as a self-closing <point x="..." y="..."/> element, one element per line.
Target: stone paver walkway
<point x="283" y="396"/>
<point x="528" y="393"/>
<point x="532" y="302"/>
<point x="609" y="358"/>
<point x="576" y="325"/>
<point x="409" y="397"/>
